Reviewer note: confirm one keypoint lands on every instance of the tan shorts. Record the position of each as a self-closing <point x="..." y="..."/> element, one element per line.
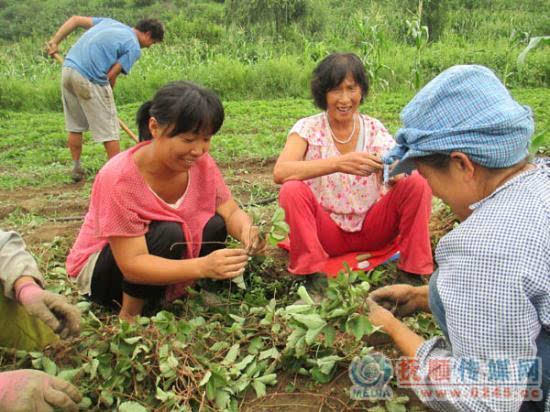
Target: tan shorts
<point x="88" y="106"/>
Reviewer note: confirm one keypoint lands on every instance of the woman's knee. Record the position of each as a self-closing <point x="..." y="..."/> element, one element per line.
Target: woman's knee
<point x="150" y="293"/>
<point x="165" y="239"/>
<point x="291" y="190"/>
<point x="215" y="229"/>
<point x="169" y="231"/>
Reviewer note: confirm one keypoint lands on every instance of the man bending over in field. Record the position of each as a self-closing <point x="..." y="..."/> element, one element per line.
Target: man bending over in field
<point x="90" y="71"/>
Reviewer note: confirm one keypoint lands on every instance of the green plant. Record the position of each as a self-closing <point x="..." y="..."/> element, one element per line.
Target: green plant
<point x="514" y="40"/>
<point x="275" y="231"/>
<point x="420" y="35"/>
<point x="372" y="44"/>
<point x="198" y="354"/>
<point x="534" y="42"/>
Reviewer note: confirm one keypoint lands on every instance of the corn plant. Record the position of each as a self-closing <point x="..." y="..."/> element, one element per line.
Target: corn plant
<point x="420" y="36"/>
<point x="372" y="45"/>
<point x="514" y="39"/>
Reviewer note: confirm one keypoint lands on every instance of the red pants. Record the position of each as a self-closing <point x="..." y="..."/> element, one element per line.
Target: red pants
<point x="314" y="237"/>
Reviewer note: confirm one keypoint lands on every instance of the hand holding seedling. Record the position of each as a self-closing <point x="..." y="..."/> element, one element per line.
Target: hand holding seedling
<point x="359" y="163"/>
<point x="253" y="241"/>
<point x="254" y="236"/>
<point x="380" y="316"/>
<point x="405" y="339"/>
<point x="224" y="263"/>
<point x="402" y="300"/>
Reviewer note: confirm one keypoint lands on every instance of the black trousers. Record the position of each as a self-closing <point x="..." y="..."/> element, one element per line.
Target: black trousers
<point x="108" y="282"/>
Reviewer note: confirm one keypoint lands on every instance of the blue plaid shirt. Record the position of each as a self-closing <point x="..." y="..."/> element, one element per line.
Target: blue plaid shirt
<point x="494" y="284"/>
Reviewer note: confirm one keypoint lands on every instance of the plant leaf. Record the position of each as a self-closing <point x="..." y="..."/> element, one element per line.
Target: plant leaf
<point x="259" y="387"/>
<point x="219" y="346"/>
<point x="245" y="362"/>
<point x="205" y="378"/>
<point x="239" y="281"/>
<point x="311" y="334"/>
<point x="302" y="292"/>
<point x="270" y="379"/>
<point x="534" y="42"/>
<point x="327" y="363"/>
<point x="222" y="399"/>
<point x="269" y="353"/>
<point x="68" y="374"/>
<point x="312" y="321"/>
<point x="131" y="406"/>
<point x="231" y="355"/>
<point x="255" y="345"/>
<point x="49" y="366"/>
<point x="358" y="326"/>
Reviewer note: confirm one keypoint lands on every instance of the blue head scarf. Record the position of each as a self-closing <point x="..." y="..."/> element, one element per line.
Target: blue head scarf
<point x="465" y="109"/>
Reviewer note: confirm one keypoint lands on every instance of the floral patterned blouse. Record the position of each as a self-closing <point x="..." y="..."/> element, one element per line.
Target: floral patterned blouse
<point x="346" y="197"/>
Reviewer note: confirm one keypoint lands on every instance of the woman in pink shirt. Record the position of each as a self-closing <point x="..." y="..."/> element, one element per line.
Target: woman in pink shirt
<point x="160" y="212"/>
<point x="332" y="189"/>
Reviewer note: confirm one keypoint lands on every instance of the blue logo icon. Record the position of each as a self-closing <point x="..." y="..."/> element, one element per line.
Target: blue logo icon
<point x="370" y="376"/>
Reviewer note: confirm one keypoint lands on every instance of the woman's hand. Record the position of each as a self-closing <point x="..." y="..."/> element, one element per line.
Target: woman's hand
<point x="252" y="241"/>
<point x="405" y="339"/>
<point x="224" y="263"/>
<point x="401" y="299"/>
<point x="380" y="316"/>
<point x="359" y="163"/>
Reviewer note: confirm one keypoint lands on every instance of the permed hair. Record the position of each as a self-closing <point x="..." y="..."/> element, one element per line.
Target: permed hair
<point x="332" y="71"/>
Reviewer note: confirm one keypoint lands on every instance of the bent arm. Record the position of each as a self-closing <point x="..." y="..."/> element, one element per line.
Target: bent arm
<point x="113" y="73"/>
<point x="16" y="263"/>
<point x="138" y="266"/>
<point x="67" y="28"/>
<point x="236" y="220"/>
<point x="292" y="166"/>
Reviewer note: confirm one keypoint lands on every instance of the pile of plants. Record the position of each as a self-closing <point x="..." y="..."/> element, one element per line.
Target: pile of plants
<point x="213" y="346"/>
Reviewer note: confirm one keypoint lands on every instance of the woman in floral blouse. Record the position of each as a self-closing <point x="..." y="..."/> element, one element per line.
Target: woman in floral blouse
<point x="331" y="175"/>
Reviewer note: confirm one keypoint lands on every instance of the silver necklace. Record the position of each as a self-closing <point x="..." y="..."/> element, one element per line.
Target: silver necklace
<point x="335" y="138"/>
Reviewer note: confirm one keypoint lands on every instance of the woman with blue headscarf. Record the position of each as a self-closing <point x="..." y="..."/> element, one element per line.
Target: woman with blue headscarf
<point x="491" y="292"/>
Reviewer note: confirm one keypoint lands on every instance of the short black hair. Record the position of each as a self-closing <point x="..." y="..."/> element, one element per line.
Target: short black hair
<point x="332" y="71"/>
<point x="185" y="106"/>
<point x="152" y="26"/>
<point x="437" y="161"/>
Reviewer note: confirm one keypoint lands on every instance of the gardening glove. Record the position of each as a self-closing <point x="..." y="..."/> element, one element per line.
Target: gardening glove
<point x="52" y="309"/>
<point x="29" y="390"/>
<point x="401" y="300"/>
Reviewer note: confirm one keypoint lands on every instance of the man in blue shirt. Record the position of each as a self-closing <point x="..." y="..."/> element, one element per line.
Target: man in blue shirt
<point x="90" y="70"/>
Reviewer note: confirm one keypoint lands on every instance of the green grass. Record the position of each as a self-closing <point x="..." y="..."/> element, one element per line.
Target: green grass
<point x="33" y="145"/>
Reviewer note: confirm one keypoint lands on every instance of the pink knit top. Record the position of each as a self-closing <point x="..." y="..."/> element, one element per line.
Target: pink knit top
<point x="122" y="204"/>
